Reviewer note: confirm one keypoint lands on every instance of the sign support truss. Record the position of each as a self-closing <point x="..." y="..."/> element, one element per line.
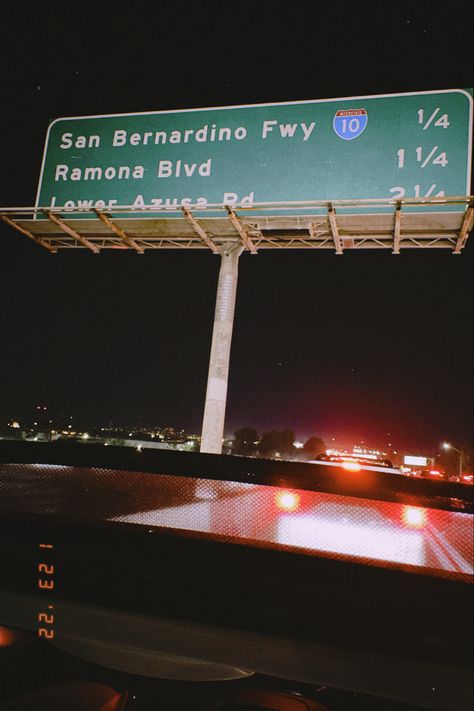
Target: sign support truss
<point x="334" y="229"/>
<point x="68" y="230"/>
<point x="241" y="229"/>
<point x="128" y="241"/>
<point x="199" y="231"/>
<point x="27" y="233"/>
<point x="397" y="229"/>
<point x="339" y="225"/>
<point x="466" y="227"/>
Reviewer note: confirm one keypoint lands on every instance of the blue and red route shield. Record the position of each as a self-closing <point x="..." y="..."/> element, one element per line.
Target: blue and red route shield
<point x="350" y="123"/>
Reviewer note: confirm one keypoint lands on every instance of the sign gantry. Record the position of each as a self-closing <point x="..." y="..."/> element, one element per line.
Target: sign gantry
<point x="337" y="225"/>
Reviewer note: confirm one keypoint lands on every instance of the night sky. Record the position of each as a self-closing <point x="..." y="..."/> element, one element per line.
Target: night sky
<point x="353" y="348"/>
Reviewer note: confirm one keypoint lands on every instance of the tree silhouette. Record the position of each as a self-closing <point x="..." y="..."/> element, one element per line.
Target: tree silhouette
<point x="313" y="446"/>
<point x="244" y="441"/>
<point x="277" y="441"/>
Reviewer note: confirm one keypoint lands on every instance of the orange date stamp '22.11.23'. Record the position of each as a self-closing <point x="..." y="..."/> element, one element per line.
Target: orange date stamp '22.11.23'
<point x="45" y="582"/>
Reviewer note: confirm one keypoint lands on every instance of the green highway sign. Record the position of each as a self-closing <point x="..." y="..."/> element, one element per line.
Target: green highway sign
<point x="388" y="146"/>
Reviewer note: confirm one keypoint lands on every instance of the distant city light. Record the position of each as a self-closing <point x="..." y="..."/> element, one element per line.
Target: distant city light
<point x="351" y="466"/>
<point x="85" y="435"/>
<point x="298" y="445"/>
<point x="415" y="461"/>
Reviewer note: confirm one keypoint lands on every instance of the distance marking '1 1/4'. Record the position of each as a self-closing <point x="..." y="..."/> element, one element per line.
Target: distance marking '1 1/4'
<point x="428" y="157"/>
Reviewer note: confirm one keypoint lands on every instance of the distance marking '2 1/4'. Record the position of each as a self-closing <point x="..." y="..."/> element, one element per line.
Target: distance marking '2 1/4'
<point x="350" y="123"/>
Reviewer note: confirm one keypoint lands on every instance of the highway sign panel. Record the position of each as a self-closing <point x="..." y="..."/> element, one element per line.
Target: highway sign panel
<point x="395" y="146"/>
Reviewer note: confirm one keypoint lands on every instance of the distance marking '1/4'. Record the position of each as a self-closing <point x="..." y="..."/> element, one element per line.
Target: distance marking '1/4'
<point x="442" y="122"/>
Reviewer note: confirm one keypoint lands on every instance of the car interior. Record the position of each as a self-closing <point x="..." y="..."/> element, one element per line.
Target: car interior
<point x="140" y="579"/>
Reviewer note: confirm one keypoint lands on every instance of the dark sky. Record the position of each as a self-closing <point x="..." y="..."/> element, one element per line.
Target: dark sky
<point x="353" y="348"/>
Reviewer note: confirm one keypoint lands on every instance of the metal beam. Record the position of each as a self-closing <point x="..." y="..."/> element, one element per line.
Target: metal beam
<point x="466" y="227"/>
<point x="26" y="232"/>
<point x="397" y="228"/>
<point x="68" y="230"/>
<point x="241" y="230"/>
<point x="199" y="230"/>
<point x="128" y="241"/>
<point x="334" y="229"/>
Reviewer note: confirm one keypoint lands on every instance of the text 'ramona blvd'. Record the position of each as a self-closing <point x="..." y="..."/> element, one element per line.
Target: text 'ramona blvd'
<point x="166" y="169"/>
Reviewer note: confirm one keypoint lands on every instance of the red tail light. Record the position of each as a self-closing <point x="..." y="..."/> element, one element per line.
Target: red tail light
<point x="413" y="516"/>
<point x="287" y="500"/>
<point x="7" y="637"/>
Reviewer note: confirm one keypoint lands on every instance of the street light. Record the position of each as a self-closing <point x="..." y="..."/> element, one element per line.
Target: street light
<point x="447" y="445"/>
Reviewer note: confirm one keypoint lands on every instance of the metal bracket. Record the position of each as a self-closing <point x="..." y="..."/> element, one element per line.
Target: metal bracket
<point x="68" y="230"/>
<point x="466" y="227"/>
<point x="334" y="229"/>
<point x="397" y="229"/>
<point x="128" y="241"/>
<point x="26" y="232"/>
<point x="241" y="230"/>
<point x="317" y="229"/>
<point x="199" y="230"/>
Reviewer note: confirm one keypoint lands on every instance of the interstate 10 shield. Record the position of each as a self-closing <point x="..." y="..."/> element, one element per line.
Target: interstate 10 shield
<point x="350" y="123"/>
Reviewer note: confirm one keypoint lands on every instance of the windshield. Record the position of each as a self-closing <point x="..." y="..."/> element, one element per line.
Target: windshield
<point x="430" y="533"/>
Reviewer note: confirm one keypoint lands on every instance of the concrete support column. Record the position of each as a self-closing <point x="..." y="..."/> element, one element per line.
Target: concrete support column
<point x="216" y="394"/>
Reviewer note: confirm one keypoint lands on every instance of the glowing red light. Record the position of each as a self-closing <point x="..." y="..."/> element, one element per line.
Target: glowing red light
<point x="287" y="500"/>
<point x="414" y="516"/>
<point x="7" y="637"/>
<point x="351" y="466"/>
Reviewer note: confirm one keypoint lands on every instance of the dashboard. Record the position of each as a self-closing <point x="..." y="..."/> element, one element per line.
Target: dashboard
<point x="168" y="570"/>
